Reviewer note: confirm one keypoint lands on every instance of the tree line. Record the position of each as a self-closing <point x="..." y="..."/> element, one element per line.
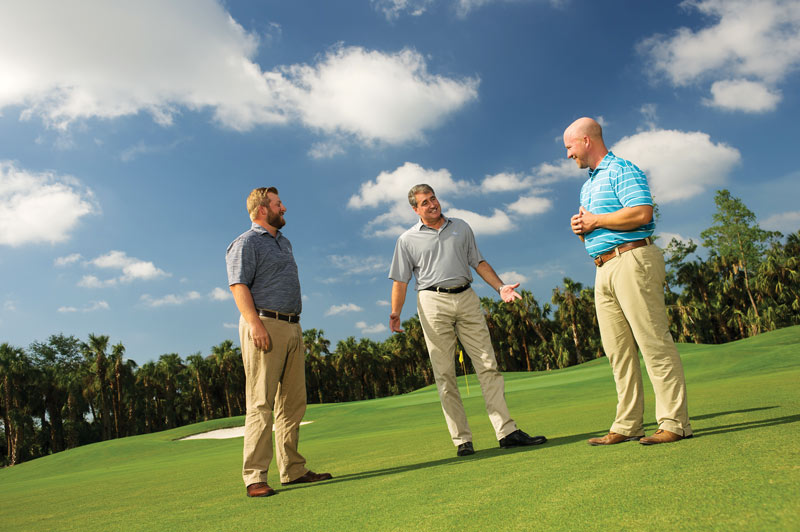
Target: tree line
<point x="65" y="392"/>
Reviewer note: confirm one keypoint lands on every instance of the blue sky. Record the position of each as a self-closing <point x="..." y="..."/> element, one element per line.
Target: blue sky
<point x="130" y="135"/>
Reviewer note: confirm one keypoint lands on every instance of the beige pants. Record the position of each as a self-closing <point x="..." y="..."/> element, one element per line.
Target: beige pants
<point x="629" y="296"/>
<point x="275" y="382"/>
<point x="445" y="317"/>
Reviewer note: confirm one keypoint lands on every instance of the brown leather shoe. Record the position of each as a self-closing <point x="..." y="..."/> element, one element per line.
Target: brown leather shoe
<point x="259" y="489"/>
<point x="612" y="438"/>
<point x="310" y="476"/>
<point x="663" y="436"/>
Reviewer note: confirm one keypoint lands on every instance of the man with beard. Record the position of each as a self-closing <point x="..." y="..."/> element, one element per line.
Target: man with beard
<point x="615" y="221"/>
<point x="440" y="251"/>
<point x="262" y="275"/>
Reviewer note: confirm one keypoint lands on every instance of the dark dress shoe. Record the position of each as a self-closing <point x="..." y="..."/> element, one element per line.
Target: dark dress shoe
<point x="519" y="438"/>
<point x="259" y="489"/>
<point x="465" y="449"/>
<point x="310" y="476"/>
<point x="612" y="438"/>
<point x="663" y="436"/>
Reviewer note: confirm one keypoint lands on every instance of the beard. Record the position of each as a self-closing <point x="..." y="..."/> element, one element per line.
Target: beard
<point x="275" y="219"/>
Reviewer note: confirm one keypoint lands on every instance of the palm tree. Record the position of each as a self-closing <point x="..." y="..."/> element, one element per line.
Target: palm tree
<point x="568" y="314"/>
<point x="226" y="356"/>
<point x="316" y="355"/>
<point x="96" y="349"/>
<point x="168" y="368"/>
<point x="15" y="369"/>
<point x="200" y="367"/>
<point x="57" y="361"/>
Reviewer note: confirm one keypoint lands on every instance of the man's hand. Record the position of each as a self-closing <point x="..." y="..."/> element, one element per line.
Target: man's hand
<point x="260" y="335"/>
<point x="584" y="222"/>
<point x="508" y="293"/>
<point x="394" y="322"/>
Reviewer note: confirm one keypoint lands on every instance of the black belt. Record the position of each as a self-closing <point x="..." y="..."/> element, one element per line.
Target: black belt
<point x="454" y="290"/>
<point x="291" y="318"/>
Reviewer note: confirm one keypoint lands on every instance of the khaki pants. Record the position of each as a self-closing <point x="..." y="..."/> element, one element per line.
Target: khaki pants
<point x="275" y="382"/>
<point x="445" y="317"/>
<point x="629" y="296"/>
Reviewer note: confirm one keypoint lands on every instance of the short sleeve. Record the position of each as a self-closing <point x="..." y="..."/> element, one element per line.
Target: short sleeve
<point x="240" y="261"/>
<point x="631" y="187"/>
<point x="401" y="268"/>
<point x="474" y="256"/>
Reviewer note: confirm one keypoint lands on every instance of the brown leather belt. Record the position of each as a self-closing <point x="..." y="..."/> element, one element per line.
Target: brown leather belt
<point x="291" y="318"/>
<point x="605" y="257"/>
<point x="453" y="290"/>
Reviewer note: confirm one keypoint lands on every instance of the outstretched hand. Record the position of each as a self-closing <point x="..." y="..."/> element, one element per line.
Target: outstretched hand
<point x="508" y="293"/>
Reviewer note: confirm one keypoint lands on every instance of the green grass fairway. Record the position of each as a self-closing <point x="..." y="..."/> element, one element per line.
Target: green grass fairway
<point x="395" y="467"/>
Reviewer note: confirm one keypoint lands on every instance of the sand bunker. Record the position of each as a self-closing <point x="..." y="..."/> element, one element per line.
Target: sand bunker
<point x="222" y="434"/>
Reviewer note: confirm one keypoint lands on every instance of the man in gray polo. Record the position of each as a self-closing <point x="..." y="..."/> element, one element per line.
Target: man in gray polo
<point x="262" y="275"/>
<point x="439" y="251"/>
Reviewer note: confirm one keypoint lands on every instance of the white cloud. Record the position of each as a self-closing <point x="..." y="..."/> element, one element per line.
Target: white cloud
<point x="63" y="65"/>
<point x="141" y="148"/>
<point x="68" y="259"/>
<point x="785" y="222"/>
<point x="10" y="305"/>
<point x="390" y="191"/>
<point x="382" y="303"/>
<point x="37" y="208"/>
<point x="352" y="265"/>
<point x="513" y="277"/>
<point x="755" y="41"/>
<point x="92" y="281"/>
<point x="220" y="294"/>
<point x="170" y="299"/>
<point x="678" y="164"/>
<point x="132" y="268"/>
<point x="393" y="8"/>
<point x="498" y="222"/>
<point x="231" y="325"/>
<point x="370" y="329"/>
<point x="665" y="238"/>
<point x="530" y="205"/>
<point x="506" y="181"/>
<point x="548" y="173"/>
<point x="743" y="95"/>
<point x="372" y="95"/>
<point x="93" y="306"/>
<point x="339" y="309"/>
<point x="392" y="187"/>
<point x="326" y="150"/>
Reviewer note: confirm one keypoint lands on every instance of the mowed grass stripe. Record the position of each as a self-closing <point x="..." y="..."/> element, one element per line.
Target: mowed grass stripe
<point x="396" y="469"/>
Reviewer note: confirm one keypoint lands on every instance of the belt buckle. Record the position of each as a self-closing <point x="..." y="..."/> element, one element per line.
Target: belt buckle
<point x="598" y="261"/>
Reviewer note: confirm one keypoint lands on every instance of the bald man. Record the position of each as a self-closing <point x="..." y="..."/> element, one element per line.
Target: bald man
<point x="615" y="221"/>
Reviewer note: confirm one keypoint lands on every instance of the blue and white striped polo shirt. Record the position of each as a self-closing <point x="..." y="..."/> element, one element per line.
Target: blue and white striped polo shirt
<point x="614" y="184"/>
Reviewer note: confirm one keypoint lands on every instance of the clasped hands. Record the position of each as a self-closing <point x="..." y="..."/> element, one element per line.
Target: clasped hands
<point x="584" y="222"/>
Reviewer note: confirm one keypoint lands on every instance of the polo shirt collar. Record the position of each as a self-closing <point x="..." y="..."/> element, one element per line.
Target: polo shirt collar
<point x="604" y="163"/>
<point x="419" y="225"/>
<point x="260" y="230"/>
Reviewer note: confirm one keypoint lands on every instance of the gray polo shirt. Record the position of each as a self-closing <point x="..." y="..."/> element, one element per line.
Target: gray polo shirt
<point x="440" y="258"/>
<point x="266" y="265"/>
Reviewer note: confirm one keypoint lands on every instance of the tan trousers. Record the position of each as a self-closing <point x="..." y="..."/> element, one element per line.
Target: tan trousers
<point x="629" y="296"/>
<point x="275" y="382"/>
<point x="445" y="317"/>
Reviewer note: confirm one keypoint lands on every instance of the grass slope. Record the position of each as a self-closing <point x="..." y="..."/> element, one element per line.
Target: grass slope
<point x="395" y="468"/>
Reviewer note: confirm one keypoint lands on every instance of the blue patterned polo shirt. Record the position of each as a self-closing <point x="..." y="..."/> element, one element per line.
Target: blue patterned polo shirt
<point x="614" y="184"/>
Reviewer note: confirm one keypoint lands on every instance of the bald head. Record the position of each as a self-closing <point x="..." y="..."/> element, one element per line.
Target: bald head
<point x="584" y="127"/>
<point x="583" y="140"/>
